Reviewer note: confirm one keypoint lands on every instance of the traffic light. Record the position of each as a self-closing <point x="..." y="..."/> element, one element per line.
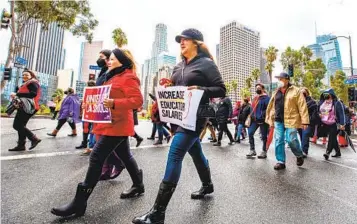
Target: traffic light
<point x="91" y="76"/>
<point x="5" y="19"/>
<point x="291" y="70"/>
<point x="351" y="94"/>
<point x="7" y="73"/>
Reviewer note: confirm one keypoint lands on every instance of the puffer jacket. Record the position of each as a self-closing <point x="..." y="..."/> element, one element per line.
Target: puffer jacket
<point x="224" y="110"/>
<point x="295" y="109"/>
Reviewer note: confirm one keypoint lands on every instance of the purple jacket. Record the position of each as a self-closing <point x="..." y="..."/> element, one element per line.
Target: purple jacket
<point x="70" y="108"/>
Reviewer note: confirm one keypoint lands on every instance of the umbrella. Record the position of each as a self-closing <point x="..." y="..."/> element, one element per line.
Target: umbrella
<point x="270" y="137"/>
<point x="152" y="97"/>
<point x="348" y="139"/>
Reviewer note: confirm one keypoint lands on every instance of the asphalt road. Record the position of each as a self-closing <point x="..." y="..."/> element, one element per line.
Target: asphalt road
<point x="246" y="190"/>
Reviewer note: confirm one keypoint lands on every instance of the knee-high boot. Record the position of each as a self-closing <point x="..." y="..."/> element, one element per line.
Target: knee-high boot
<point x="137" y="177"/>
<point x="205" y="177"/>
<point x="156" y="215"/>
<point x="78" y="205"/>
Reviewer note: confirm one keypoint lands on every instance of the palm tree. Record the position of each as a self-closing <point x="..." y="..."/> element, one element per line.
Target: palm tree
<point x="270" y="54"/>
<point x="234" y="85"/>
<point x="119" y="37"/>
<point x="255" y="74"/>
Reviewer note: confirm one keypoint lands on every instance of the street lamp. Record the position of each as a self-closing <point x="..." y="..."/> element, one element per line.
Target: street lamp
<point x="350" y="42"/>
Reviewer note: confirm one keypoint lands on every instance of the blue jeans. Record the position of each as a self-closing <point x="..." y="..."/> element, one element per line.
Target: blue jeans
<point x="305" y="138"/>
<point x="239" y="130"/>
<point x="181" y="144"/>
<point x="264" y="129"/>
<point x="292" y="138"/>
<point x="162" y="131"/>
<point x="91" y="142"/>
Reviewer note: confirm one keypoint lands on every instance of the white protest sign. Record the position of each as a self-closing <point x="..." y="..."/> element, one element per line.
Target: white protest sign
<point x="177" y="105"/>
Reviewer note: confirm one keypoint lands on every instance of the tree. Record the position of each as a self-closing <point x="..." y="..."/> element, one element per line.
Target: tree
<point x="339" y="86"/>
<point x="270" y="54"/>
<point x="74" y="16"/>
<point x="245" y="93"/>
<point x="58" y="92"/>
<point x="234" y="85"/>
<point x="255" y="74"/>
<point x="228" y="87"/>
<point x="119" y="37"/>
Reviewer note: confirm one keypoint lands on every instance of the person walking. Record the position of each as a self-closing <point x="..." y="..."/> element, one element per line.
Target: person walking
<point x="242" y="117"/>
<point x="197" y="71"/>
<point x="139" y="139"/>
<point x="87" y="126"/>
<point x="224" y="112"/>
<point x="30" y="90"/>
<point x="314" y="120"/>
<point x="333" y="118"/>
<point x="124" y="97"/>
<point x="287" y="111"/>
<point x="58" y="100"/>
<point x="260" y="104"/>
<point x="69" y="113"/>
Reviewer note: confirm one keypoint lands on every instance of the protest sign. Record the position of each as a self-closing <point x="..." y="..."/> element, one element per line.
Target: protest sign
<point x="94" y="110"/>
<point x="177" y="105"/>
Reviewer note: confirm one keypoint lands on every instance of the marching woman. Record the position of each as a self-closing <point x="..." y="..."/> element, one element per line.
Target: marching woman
<point x="124" y="97"/>
<point x="29" y="89"/>
<point x="197" y="71"/>
<point x="69" y="113"/>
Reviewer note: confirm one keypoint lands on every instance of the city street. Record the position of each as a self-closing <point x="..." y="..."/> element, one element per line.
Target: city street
<point x="246" y="190"/>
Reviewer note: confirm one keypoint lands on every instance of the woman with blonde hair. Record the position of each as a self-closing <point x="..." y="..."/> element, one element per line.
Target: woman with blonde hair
<point x="124" y="97"/>
<point x="197" y="71"/>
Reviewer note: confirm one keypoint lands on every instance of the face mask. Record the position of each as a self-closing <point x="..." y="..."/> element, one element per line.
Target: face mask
<point x="65" y="92"/>
<point x="281" y="84"/>
<point x="259" y="91"/>
<point x="327" y="97"/>
<point x="101" y="62"/>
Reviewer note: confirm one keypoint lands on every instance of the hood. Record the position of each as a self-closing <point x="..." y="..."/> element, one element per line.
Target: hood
<point x="329" y="91"/>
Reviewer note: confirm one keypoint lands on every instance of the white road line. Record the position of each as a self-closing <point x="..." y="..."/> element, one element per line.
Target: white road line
<point x="72" y="152"/>
<point x="341" y="165"/>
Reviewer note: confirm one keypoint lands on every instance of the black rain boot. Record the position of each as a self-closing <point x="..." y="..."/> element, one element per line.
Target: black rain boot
<point x="207" y="186"/>
<point x="78" y="205"/>
<point x="156" y="215"/>
<point x="84" y="143"/>
<point x="139" y="140"/>
<point x="34" y="142"/>
<point x="20" y="147"/>
<point x="137" y="188"/>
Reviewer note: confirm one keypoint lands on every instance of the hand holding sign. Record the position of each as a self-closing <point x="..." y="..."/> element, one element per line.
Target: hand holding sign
<point x="108" y="103"/>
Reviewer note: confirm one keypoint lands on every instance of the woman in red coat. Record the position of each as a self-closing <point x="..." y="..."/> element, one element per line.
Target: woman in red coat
<point x="125" y="96"/>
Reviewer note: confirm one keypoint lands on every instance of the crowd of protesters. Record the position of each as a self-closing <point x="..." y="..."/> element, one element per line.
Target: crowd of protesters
<point x="290" y="114"/>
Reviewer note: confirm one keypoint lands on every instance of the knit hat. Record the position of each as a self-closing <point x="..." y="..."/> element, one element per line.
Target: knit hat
<point x="122" y="58"/>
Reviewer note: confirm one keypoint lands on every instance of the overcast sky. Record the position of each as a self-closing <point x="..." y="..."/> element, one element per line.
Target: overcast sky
<point x="281" y="23"/>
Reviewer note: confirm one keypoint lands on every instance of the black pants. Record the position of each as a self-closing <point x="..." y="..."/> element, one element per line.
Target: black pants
<point x="332" y="138"/>
<point x="61" y="122"/>
<point x="102" y="149"/>
<point x="224" y="128"/>
<point x="55" y="114"/>
<point x="20" y="122"/>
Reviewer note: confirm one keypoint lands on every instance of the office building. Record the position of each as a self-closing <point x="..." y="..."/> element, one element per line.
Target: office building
<point x="165" y="59"/>
<point x="239" y="54"/>
<point x="80" y="85"/>
<point x="88" y="56"/>
<point x="43" y="49"/>
<point x="159" y="45"/>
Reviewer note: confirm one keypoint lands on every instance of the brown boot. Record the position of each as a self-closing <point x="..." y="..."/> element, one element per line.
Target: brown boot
<point x="74" y="133"/>
<point x="54" y="133"/>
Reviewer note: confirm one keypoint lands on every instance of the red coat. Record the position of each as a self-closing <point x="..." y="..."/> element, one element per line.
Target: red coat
<point x="126" y="93"/>
<point x="36" y="99"/>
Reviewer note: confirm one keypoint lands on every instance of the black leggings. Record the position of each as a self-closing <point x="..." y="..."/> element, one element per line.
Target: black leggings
<point x="332" y="138"/>
<point x="102" y="149"/>
<point x="224" y="128"/>
<point x="61" y="122"/>
<point x="20" y="122"/>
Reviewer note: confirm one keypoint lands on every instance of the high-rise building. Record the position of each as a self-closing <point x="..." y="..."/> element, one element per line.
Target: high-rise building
<point x="80" y="85"/>
<point x="217" y="54"/>
<point x="43" y="48"/>
<point x="159" y="45"/>
<point x="144" y="86"/>
<point x="328" y="49"/>
<point x="63" y="58"/>
<point x="165" y="59"/>
<point x="264" y="75"/>
<point x="89" y="55"/>
<point x="239" y="54"/>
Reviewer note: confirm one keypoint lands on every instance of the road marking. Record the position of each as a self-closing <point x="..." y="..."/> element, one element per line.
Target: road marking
<point x="72" y="152"/>
<point x="341" y="165"/>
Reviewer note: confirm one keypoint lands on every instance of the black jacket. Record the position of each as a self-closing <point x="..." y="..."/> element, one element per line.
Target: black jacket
<point x="313" y="111"/>
<point x="203" y="72"/>
<point x="224" y="110"/>
<point x="244" y="113"/>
